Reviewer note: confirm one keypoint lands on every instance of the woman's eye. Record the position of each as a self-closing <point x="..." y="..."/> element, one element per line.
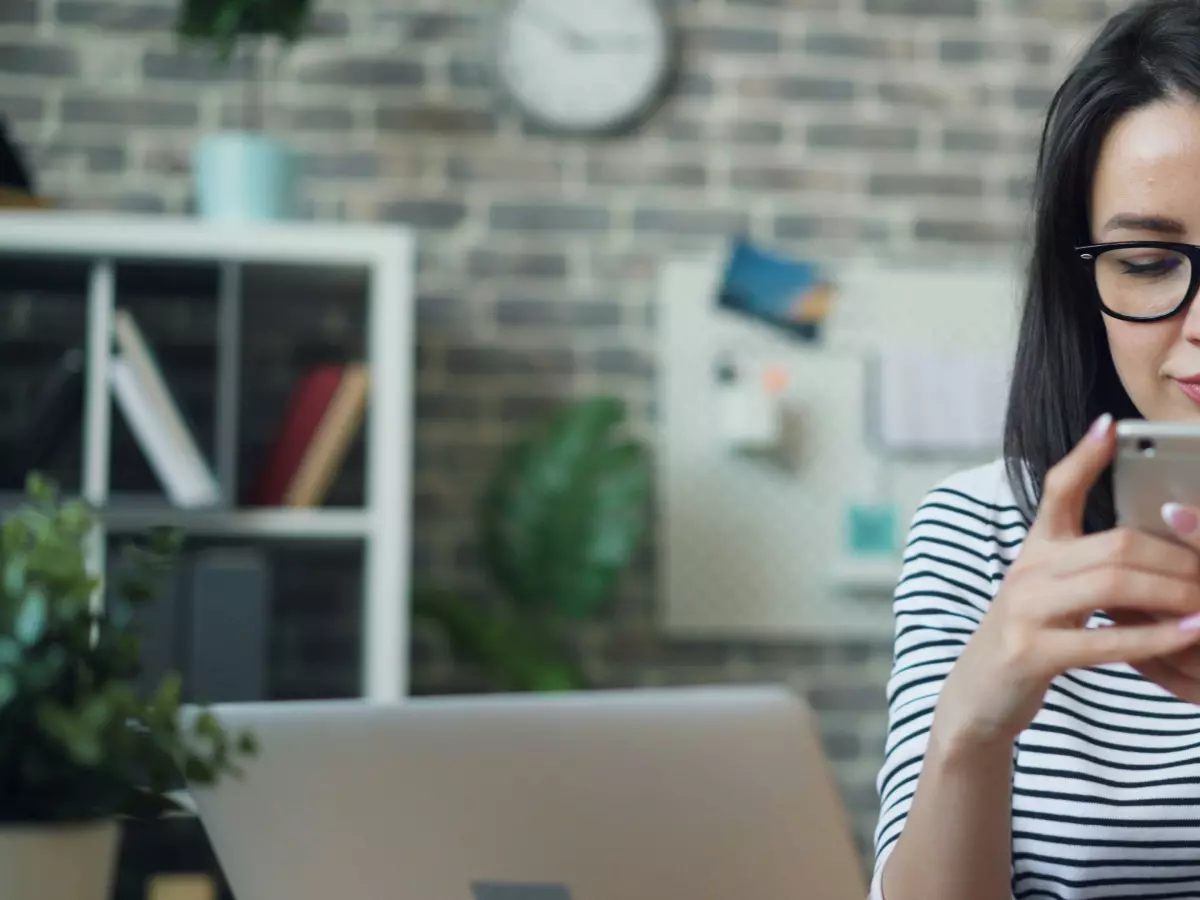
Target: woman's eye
<point x="1161" y="266"/>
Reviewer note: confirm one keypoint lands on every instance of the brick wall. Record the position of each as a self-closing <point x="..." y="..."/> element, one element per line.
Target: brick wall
<point x="895" y="128"/>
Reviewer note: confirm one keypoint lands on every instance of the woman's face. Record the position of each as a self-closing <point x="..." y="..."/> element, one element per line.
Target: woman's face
<point x="1147" y="187"/>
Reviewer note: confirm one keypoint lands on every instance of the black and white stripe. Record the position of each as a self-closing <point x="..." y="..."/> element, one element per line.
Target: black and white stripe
<point x="1106" y="780"/>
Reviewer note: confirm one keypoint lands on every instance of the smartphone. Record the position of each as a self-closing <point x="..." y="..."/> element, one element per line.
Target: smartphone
<point x="1157" y="463"/>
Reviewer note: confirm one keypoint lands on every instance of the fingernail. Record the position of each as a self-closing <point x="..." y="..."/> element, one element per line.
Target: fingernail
<point x="1099" y="430"/>
<point x="1191" y="623"/>
<point x="1180" y="518"/>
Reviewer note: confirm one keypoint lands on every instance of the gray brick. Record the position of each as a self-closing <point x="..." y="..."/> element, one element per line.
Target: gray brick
<point x="22" y="107"/>
<point x="955" y="8"/>
<point x="862" y="136"/>
<point x="348" y="165"/>
<point x="841" y="746"/>
<point x="528" y="311"/>
<point x="924" y="184"/>
<point x="327" y="23"/>
<point x="956" y="231"/>
<point x="297" y="118"/>
<point x="937" y="97"/>
<point x="38" y="59"/>
<point x="116" y="16"/>
<point x="689" y="221"/>
<point x="493" y="264"/>
<point x="848" y="699"/>
<point x="471" y="73"/>
<point x="363" y="72"/>
<point x="436" y="214"/>
<point x="142" y="112"/>
<point x="1037" y="52"/>
<point x="526" y="409"/>
<point x="623" y="361"/>
<point x="961" y="51"/>
<point x="1033" y="97"/>
<point x="1020" y="188"/>
<point x="683" y="130"/>
<point x="813" y="88"/>
<point x="18" y="12"/>
<point x="438" y="120"/>
<point x="443" y="406"/>
<point x="549" y="217"/>
<point x="833" y="43"/>
<point x="196" y="67"/>
<point x="500" y="361"/>
<point x="830" y="227"/>
<point x="694" y="84"/>
<point x="756" y="133"/>
<point x="734" y="40"/>
<point x="789" y="178"/>
<point x="504" y="169"/>
<point x="100" y="159"/>
<point x="439" y="27"/>
<point x="1087" y="12"/>
<point x="441" y="309"/>
<point x="972" y="140"/>
<point x="623" y="172"/>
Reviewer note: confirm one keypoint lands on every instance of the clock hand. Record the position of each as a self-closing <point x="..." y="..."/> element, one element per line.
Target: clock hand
<point x="573" y="38"/>
<point x="619" y="44"/>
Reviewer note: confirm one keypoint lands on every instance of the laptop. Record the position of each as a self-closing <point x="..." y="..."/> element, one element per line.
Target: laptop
<point x="676" y="794"/>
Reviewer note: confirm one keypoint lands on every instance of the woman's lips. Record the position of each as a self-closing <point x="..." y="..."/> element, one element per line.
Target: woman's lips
<point x="1190" y="388"/>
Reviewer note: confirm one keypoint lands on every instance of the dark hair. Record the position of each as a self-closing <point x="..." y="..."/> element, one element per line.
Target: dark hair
<point x="1064" y="377"/>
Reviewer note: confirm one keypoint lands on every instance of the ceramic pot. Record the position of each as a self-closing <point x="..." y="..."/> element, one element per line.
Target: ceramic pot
<point x="243" y="176"/>
<point x="64" y="862"/>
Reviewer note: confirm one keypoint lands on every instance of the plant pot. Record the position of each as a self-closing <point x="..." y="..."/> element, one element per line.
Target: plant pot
<point x="63" y="862"/>
<point x="244" y="177"/>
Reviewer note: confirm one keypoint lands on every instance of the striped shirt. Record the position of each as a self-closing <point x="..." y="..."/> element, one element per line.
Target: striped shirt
<point x="1106" y="780"/>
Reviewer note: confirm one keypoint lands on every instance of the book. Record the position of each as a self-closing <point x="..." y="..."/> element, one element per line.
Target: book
<point x="327" y="451"/>
<point x="183" y="485"/>
<point x="193" y="483"/>
<point x="55" y="414"/>
<point x="304" y="419"/>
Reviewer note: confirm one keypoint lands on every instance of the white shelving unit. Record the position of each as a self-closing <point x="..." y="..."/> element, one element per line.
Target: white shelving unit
<point x="387" y="254"/>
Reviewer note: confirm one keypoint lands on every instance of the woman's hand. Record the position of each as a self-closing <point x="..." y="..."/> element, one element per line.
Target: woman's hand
<point x="1035" y="629"/>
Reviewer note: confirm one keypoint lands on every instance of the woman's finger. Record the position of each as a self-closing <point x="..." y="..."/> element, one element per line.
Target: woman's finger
<point x="1070" y="480"/>
<point x="1115" y="587"/>
<point x="1073" y="648"/>
<point x="1159" y="671"/>
<point x="1129" y="548"/>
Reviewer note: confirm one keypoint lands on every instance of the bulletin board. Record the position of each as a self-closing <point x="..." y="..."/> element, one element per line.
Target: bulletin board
<point x="754" y="551"/>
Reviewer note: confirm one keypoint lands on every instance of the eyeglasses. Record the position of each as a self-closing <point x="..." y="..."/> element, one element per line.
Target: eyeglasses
<point x="1143" y="281"/>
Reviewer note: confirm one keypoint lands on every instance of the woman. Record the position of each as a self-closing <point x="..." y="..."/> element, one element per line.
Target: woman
<point x="1043" y="740"/>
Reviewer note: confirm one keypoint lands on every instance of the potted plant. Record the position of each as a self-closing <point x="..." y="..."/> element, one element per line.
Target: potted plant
<point x="244" y="175"/>
<point x="79" y="748"/>
<point x="559" y="522"/>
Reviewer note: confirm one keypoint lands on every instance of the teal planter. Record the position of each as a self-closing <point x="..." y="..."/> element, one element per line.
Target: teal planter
<point x="244" y="177"/>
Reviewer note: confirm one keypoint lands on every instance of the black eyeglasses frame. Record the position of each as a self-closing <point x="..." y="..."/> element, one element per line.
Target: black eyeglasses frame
<point x="1087" y="256"/>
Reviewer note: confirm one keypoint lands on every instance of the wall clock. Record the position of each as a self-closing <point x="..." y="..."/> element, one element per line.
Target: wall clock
<point x="586" y="66"/>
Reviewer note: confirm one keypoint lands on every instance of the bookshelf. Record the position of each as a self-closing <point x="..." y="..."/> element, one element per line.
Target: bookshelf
<point x="386" y="257"/>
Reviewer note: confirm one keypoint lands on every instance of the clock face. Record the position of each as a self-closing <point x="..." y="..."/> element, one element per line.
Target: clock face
<point x="585" y="65"/>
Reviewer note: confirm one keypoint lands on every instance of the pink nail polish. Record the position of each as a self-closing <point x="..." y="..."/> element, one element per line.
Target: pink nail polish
<point x="1182" y="520"/>
<point x="1099" y="429"/>
<point x="1191" y="623"/>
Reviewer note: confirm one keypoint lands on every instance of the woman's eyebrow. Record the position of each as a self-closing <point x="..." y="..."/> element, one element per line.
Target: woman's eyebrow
<point x="1156" y="224"/>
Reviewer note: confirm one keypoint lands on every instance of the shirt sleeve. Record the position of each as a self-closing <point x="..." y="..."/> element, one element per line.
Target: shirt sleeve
<point x="957" y="552"/>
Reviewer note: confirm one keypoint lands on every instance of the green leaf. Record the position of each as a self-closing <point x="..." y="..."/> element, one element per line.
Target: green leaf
<point x="76" y="742"/>
<point x="566" y="511"/>
<point x="14" y="575"/>
<point x="31" y="620"/>
<point x="8" y="688"/>
<point x="513" y="652"/>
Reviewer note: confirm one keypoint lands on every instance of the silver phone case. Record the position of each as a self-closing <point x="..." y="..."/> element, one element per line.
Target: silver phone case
<point x="1156" y="463"/>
